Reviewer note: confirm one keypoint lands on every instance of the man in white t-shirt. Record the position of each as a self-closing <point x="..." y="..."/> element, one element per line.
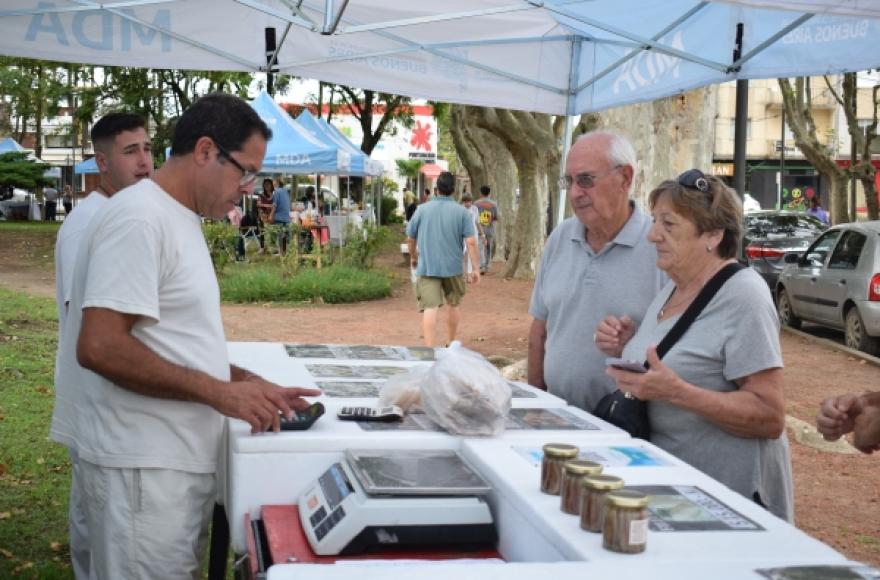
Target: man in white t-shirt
<point x="145" y="374"/>
<point x="124" y="156"/>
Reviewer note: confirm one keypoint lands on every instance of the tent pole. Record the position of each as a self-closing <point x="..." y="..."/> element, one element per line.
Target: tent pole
<point x="569" y="124"/>
<point x="740" y="124"/>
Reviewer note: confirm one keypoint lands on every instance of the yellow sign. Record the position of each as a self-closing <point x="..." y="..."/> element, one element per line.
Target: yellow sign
<point x="723" y="169"/>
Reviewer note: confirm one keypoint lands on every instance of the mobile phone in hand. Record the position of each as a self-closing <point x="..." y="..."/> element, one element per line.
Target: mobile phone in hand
<point x="623" y="364"/>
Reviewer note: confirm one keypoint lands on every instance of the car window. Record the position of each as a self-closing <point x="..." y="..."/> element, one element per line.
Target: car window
<point x="818" y="252"/>
<point x="783" y="225"/>
<point x="846" y="253"/>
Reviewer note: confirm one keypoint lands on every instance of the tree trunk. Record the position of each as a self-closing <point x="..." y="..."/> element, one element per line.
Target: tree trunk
<point x="670" y="136"/>
<point x="488" y="162"/>
<point x="800" y="119"/>
<point x="529" y="138"/>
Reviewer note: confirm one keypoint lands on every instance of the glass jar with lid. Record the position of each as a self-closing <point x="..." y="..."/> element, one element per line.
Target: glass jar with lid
<point x="625" y="529"/>
<point x="555" y="455"/>
<point x="573" y="473"/>
<point x="595" y="488"/>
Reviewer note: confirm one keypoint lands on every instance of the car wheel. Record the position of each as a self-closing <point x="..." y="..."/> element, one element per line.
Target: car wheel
<point x="786" y="314"/>
<point x="855" y="335"/>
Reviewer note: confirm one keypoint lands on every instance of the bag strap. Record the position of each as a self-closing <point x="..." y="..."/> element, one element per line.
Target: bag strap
<point x="696" y="307"/>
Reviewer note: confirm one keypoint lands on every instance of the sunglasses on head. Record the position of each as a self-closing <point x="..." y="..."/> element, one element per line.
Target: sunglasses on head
<point x="694" y="179"/>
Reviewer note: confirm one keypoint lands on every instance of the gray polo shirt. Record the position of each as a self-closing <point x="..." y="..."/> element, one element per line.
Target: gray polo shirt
<point x="439" y="228"/>
<point x="735" y="336"/>
<point x="576" y="288"/>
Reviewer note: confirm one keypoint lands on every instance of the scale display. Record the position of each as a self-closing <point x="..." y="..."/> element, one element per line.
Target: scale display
<point x="440" y="472"/>
<point x="423" y="499"/>
<point x="686" y="508"/>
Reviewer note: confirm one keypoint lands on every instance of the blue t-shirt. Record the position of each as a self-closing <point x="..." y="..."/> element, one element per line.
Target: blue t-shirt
<point x="281" y="201"/>
<point x="439" y="228"/>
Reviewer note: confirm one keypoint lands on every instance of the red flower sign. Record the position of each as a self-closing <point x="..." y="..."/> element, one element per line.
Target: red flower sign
<point x="421" y="136"/>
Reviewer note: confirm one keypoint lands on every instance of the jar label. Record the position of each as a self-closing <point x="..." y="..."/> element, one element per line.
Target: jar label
<point x="638" y="532"/>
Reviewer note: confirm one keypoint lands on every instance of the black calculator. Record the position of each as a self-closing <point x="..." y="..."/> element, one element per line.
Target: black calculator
<point x="389" y="413"/>
<point x="302" y="420"/>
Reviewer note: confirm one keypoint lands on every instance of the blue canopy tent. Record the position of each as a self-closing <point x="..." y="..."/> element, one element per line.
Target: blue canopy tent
<point x="361" y="163"/>
<point x="292" y="149"/>
<point x="87" y="167"/>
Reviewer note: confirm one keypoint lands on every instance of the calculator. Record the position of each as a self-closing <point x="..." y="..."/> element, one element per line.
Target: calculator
<point x="389" y="413"/>
<point x="302" y="420"/>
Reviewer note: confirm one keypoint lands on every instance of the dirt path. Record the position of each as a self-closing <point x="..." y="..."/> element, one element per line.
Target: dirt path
<point x="837" y="495"/>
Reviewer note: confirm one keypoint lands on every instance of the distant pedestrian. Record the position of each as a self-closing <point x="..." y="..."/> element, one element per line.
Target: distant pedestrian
<point x="468" y="202"/>
<point x="818" y="211"/>
<point x="489" y="214"/>
<point x="434" y="236"/>
<point x="280" y="215"/>
<point x="50" y="201"/>
<point x="410" y="203"/>
<point x="67" y="201"/>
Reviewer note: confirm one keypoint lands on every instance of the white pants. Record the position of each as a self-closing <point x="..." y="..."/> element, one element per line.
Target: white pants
<point x="146" y="523"/>
<point x="79" y="531"/>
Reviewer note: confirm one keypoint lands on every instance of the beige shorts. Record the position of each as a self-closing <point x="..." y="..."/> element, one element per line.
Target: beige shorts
<point x="431" y="291"/>
<point x="147" y="523"/>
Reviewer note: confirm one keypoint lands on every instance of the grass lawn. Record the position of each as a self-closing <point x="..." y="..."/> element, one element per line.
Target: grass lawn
<point x="34" y="471"/>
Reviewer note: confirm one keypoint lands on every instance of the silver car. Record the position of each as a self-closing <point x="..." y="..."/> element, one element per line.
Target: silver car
<point x="836" y="283"/>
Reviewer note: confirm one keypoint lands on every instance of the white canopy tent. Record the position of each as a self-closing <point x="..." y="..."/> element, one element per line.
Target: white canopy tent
<point x="562" y="57"/>
<point x="557" y="56"/>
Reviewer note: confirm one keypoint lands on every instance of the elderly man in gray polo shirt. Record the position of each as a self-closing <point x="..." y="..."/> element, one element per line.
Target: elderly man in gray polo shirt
<point x="597" y="263"/>
<point x="437" y="230"/>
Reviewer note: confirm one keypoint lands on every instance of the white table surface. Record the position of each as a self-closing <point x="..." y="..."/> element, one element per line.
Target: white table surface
<point x="275" y="468"/>
<point x="271" y="361"/>
<point x="635" y="568"/>
<point x="552" y="534"/>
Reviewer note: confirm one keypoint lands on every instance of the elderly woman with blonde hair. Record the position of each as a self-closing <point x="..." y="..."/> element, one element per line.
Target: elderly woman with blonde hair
<point x="715" y="400"/>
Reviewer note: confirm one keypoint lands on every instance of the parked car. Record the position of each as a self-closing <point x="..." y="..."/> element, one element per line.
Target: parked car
<point x="769" y="235"/>
<point x="14" y="204"/>
<point x="836" y="283"/>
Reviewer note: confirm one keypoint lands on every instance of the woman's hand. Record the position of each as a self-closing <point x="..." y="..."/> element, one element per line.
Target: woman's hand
<point x="613" y="333"/>
<point x="659" y="383"/>
<point x="755" y="410"/>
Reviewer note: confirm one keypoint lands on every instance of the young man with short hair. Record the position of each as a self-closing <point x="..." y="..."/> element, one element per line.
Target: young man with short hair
<point x="123" y="153"/>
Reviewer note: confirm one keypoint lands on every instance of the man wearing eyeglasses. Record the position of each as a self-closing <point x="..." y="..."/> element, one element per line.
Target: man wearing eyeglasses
<point x="146" y="379"/>
<point x="596" y="263"/>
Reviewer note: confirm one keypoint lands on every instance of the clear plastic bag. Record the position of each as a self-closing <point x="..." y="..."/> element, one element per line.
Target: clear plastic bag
<point x="404" y="390"/>
<point x="465" y="394"/>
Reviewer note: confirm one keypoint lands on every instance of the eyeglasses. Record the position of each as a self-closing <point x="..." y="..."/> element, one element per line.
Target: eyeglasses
<point x="694" y="179"/>
<point x="585" y="180"/>
<point x="247" y="176"/>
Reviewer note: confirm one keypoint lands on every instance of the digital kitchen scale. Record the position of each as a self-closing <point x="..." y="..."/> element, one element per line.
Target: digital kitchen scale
<point x="381" y="499"/>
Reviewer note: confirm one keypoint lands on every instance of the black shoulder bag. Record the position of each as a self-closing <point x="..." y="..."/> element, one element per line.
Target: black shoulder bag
<point x="630" y="414"/>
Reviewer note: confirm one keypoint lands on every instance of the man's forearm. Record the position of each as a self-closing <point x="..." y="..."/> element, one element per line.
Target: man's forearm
<point x="473" y="253"/>
<point x="135" y="367"/>
<point x="413" y="251"/>
<point x="535" y="361"/>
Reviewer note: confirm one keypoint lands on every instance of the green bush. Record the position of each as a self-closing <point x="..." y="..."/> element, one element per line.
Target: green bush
<point x="335" y="284"/>
<point x="361" y="246"/>
<point x="388" y="209"/>
<point x="220" y="238"/>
